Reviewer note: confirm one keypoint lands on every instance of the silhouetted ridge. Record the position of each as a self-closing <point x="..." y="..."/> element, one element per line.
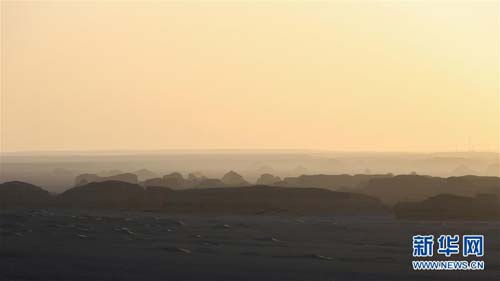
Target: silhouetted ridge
<point x="449" y="206"/>
<point x="268" y="199"/>
<point x="15" y="193"/>
<point x="155" y="182"/>
<point x="88" y="178"/>
<point x="332" y="182"/>
<point x="414" y="187"/>
<point x="222" y="200"/>
<point x="108" y="194"/>
<point x="144" y="174"/>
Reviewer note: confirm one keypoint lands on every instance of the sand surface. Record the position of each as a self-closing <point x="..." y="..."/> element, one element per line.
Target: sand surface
<point x="56" y="244"/>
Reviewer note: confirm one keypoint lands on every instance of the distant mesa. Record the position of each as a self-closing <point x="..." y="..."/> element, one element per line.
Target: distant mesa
<point x="450" y="207"/>
<point x="331" y="182"/>
<point x="15" y="193"/>
<point x="233" y="179"/>
<point x="89" y="178"/>
<point x="462" y="170"/>
<point x="268" y="179"/>
<point x="196" y="177"/>
<point x="175" y="180"/>
<point x="104" y="194"/>
<point x="157" y="182"/>
<point x="144" y="174"/>
<point x="415" y="187"/>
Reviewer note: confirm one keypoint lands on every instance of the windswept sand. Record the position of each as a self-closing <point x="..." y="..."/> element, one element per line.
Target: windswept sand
<point x="120" y="245"/>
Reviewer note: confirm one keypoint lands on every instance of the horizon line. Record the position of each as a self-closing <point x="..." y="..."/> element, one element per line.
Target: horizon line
<point x="232" y="150"/>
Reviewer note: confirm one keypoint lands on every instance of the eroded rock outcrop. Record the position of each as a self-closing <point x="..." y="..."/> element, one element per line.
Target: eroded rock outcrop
<point x="234" y="179"/>
<point x="268" y="179"/>
<point x="175" y="180"/>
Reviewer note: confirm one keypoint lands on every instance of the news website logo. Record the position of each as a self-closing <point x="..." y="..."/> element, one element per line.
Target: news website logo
<point x="448" y="246"/>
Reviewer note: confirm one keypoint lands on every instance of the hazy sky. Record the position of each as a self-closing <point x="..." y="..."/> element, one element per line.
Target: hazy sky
<point x="337" y="76"/>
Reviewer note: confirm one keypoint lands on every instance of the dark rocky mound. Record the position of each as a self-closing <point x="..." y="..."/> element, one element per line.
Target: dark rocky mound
<point x="415" y="188"/>
<point x="234" y="179"/>
<point x="450" y="207"/>
<point x="88" y="178"/>
<point x="229" y="200"/>
<point x="403" y="188"/>
<point x="155" y="197"/>
<point x="208" y="183"/>
<point x="17" y="193"/>
<point x="107" y="194"/>
<point x="268" y="199"/>
<point x="268" y="179"/>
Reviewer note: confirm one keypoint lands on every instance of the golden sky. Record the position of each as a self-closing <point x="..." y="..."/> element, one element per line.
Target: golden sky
<point x="337" y="76"/>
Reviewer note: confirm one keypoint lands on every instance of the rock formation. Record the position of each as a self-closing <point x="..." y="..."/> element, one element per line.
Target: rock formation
<point x="415" y="188"/>
<point x="233" y="179"/>
<point x="449" y="207"/>
<point x="17" y="193"/>
<point x="144" y="174"/>
<point x="88" y="178"/>
<point x="174" y="180"/>
<point x="106" y="194"/>
<point x="331" y="182"/>
<point x="268" y="179"/>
